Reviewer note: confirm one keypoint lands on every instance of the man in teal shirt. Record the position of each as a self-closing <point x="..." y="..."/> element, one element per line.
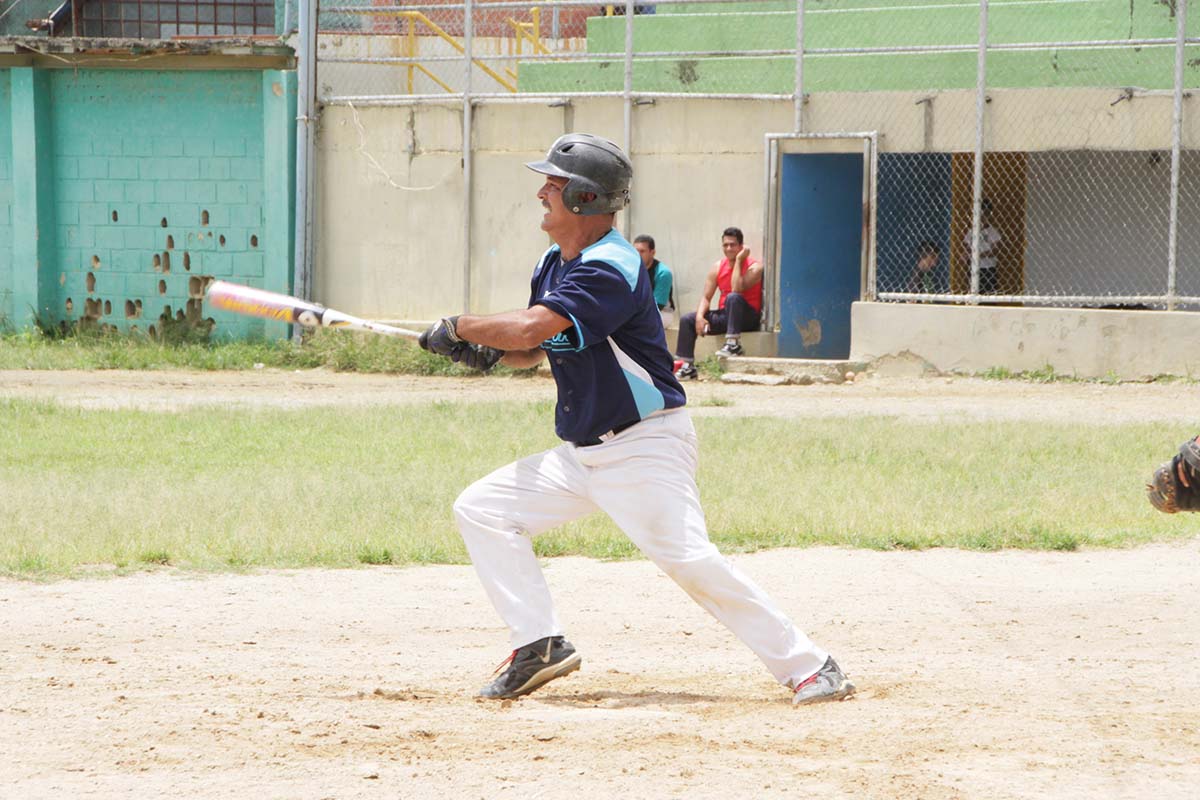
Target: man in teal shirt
<point x="660" y="279"/>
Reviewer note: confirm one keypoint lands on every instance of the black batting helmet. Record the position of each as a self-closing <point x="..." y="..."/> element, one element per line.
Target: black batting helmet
<point x="590" y="164"/>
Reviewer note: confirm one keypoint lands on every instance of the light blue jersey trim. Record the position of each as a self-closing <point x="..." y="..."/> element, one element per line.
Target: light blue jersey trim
<point x="561" y="341"/>
<point x="646" y="395"/>
<point x="614" y="250"/>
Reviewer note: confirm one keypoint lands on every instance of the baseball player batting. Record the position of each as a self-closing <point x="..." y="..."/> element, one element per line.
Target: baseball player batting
<point x="629" y="448"/>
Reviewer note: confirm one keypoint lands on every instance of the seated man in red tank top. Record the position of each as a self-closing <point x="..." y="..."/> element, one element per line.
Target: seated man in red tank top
<point x="739" y="278"/>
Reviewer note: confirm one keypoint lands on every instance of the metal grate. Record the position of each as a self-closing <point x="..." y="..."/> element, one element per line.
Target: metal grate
<point x="166" y="19"/>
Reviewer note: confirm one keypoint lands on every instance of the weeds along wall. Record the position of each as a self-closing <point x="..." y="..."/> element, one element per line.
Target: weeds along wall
<point x="122" y="190"/>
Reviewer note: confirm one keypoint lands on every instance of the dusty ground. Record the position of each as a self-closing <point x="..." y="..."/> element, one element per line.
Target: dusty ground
<point x="981" y="675"/>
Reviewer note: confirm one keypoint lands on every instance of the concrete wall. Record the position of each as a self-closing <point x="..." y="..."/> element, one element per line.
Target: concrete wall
<point x="1083" y="343"/>
<point x="390" y="183"/>
<point x="390" y="215"/>
<point x="132" y="184"/>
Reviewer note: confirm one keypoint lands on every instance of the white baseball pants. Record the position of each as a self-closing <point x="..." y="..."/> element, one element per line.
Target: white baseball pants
<point x="644" y="479"/>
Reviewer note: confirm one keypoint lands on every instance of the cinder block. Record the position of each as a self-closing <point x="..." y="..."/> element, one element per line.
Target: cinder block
<point x="65" y="167"/>
<point x="229" y="146"/>
<point x="122" y="260"/>
<point x="139" y="192"/>
<point x="140" y="238"/>
<point x="229" y="192"/>
<point x="183" y="169"/>
<point x="94" y="213"/>
<point x="106" y="145"/>
<point x="75" y="191"/>
<point x="219" y="264"/>
<point x="214" y="168"/>
<point x="246" y="216"/>
<point x="170" y="191"/>
<point x="152" y="214"/>
<point x="198" y="146"/>
<point x="246" y="169"/>
<point x="154" y="169"/>
<point x="201" y="191"/>
<point x="127" y="212"/>
<point x="168" y="146"/>
<point x="218" y="216"/>
<point x="124" y="169"/>
<point x="91" y="167"/>
<point x="248" y="265"/>
<point x="64" y="213"/>
<point x="109" y="191"/>
<point x="109" y="238"/>
<point x="182" y="214"/>
<point x="137" y="146"/>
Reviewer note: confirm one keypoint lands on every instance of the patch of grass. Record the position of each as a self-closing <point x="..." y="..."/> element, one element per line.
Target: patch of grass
<point x="237" y="489"/>
<point x="345" y="351"/>
<point x="717" y="402"/>
<point x="710" y="368"/>
<point x="373" y="554"/>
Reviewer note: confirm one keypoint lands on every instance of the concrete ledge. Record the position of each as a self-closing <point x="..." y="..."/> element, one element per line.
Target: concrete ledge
<point x="759" y="343"/>
<point x="1085" y="343"/>
<point x="800" y="371"/>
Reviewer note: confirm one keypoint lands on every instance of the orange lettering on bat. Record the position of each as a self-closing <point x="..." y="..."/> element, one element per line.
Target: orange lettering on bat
<point x="239" y="306"/>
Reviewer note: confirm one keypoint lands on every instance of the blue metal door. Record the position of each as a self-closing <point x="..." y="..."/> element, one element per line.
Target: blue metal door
<point x="821" y="223"/>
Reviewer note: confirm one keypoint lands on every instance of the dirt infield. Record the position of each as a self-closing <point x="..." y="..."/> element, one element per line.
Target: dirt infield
<point x="1012" y="674"/>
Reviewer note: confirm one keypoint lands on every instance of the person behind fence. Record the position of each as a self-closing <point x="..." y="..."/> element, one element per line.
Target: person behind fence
<point x="739" y="278"/>
<point x="661" y="279"/>
<point x="989" y="249"/>
<point x="924" y="278"/>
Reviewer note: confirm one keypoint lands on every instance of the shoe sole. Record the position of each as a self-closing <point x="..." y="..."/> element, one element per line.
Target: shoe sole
<point x="544" y="676"/>
<point x="844" y="690"/>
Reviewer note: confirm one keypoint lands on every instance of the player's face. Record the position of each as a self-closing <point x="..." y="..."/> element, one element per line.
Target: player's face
<point x="646" y="253"/>
<point x="551" y="196"/>
<point x="730" y="247"/>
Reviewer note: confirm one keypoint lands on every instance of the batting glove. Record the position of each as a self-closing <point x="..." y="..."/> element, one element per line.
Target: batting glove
<point x="478" y="356"/>
<point x="442" y="338"/>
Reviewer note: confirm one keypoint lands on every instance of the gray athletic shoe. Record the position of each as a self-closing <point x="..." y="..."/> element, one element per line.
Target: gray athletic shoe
<point x="730" y="348"/>
<point x="686" y="373"/>
<point x="829" y="683"/>
<point x="532" y="665"/>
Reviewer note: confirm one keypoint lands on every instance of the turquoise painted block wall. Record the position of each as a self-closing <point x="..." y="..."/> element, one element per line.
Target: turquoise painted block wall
<point x="150" y="181"/>
<point x="6" y="199"/>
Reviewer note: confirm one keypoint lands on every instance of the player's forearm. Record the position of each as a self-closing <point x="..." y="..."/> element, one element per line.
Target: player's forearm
<point x="523" y="359"/>
<point x="511" y="330"/>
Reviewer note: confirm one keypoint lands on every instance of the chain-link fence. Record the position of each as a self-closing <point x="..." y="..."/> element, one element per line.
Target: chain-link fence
<point x="1029" y="151"/>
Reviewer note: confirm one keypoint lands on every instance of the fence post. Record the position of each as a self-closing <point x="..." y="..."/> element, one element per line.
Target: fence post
<point x="628" y="101"/>
<point x="980" y="104"/>
<point x="1176" y="141"/>
<point x="798" y="99"/>
<point x="306" y="107"/>
<point x="467" y="125"/>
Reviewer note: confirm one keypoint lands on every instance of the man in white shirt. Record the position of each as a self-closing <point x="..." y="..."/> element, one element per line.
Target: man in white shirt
<point x="989" y="247"/>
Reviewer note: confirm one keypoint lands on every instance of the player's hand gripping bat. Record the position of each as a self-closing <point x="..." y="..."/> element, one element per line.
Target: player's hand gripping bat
<point x="282" y="308"/>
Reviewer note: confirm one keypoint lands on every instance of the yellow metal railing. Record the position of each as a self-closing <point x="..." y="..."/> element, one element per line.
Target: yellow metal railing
<point x="413" y="18"/>
<point x="526" y="31"/>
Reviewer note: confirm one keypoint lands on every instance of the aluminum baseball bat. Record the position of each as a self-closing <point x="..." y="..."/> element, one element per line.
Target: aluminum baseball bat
<point x="269" y="305"/>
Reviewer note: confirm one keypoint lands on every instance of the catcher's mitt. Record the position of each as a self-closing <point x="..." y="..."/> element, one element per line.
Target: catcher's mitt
<point x="1176" y="484"/>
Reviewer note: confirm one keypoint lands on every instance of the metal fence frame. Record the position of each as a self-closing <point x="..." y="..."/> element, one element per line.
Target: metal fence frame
<point x="468" y="98"/>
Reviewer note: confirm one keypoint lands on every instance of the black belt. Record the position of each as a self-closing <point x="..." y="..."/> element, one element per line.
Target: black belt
<point x="604" y="437"/>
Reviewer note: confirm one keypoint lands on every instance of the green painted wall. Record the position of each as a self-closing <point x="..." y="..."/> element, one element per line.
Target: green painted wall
<point x="6" y="199"/>
<point x="860" y="23"/>
<point x="140" y="182"/>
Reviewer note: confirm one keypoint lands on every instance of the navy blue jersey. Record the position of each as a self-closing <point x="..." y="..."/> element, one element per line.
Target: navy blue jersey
<point x="612" y="365"/>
